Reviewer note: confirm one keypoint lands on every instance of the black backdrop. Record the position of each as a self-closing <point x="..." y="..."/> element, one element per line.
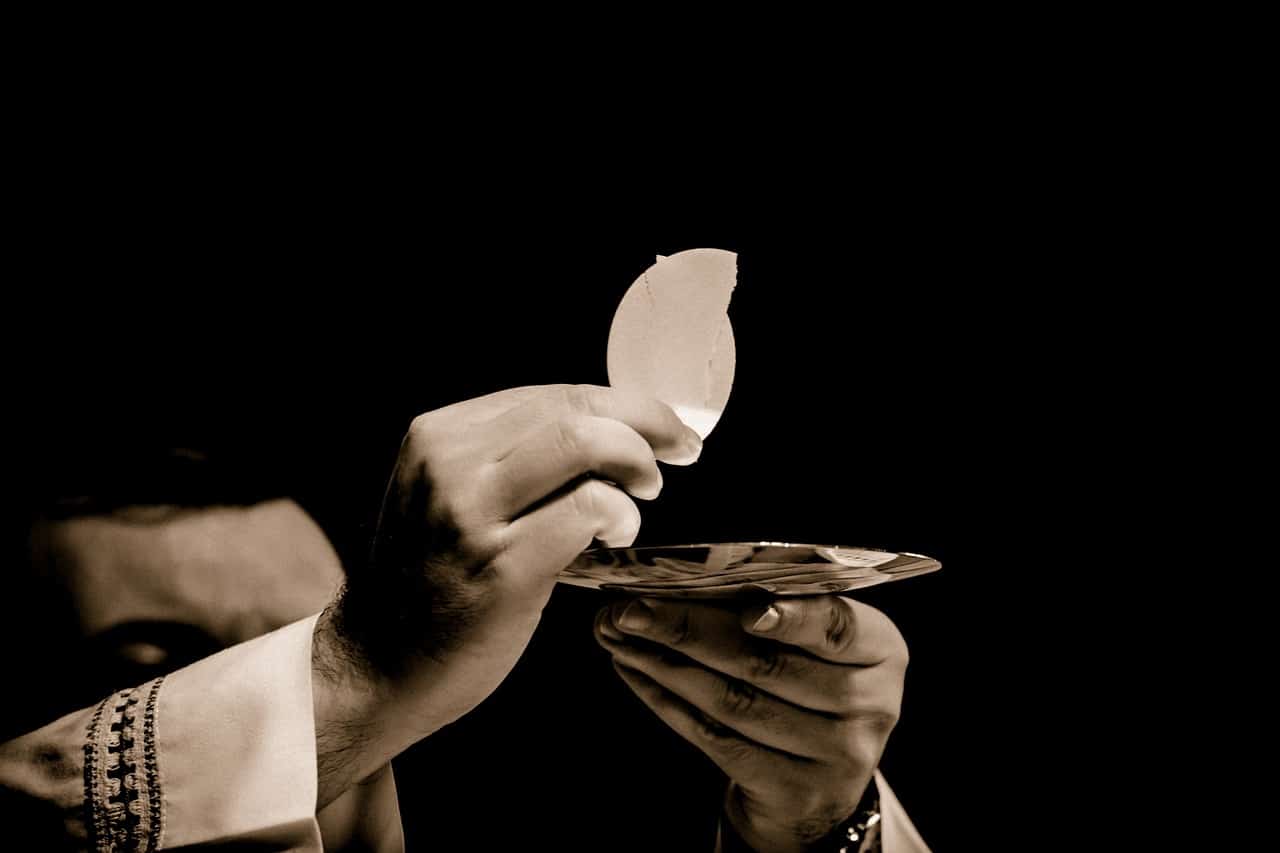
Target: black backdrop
<point x="880" y="400"/>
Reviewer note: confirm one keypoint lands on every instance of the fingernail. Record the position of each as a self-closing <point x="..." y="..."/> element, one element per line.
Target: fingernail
<point x="648" y="493"/>
<point x="690" y="450"/>
<point x="637" y="617"/>
<point x="767" y="621"/>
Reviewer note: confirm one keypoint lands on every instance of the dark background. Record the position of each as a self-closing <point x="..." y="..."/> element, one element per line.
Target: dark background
<point x="889" y="393"/>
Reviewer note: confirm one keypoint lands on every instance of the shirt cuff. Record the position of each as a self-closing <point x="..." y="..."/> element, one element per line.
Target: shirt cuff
<point x="236" y="745"/>
<point x="223" y="753"/>
<point x="897" y="833"/>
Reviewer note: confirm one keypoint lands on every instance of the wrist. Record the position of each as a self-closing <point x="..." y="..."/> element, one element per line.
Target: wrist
<point x="373" y="629"/>
<point x="406" y="657"/>
<point x="354" y="711"/>
<point x="825" y="826"/>
<point x="760" y="827"/>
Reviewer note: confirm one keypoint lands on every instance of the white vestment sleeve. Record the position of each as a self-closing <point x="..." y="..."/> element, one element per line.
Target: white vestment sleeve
<point x="219" y="755"/>
<point x="365" y="818"/>
<point x="236" y="746"/>
<point x="897" y="833"/>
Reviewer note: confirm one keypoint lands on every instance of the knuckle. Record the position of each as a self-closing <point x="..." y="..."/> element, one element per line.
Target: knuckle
<point x="737" y="698"/>
<point x="578" y="398"/>
<point x="720" y="739"/>
<point x="863" y="754"/>
<point x="848" y="732"/>
<point x="425" y="456"/>
<point x="841" y="627"/>
<point x="709" y="731"/>
<point x="421" y="426"/>
<point x="853" y="754"/>
<point x="874" y="722"/>
<point x="767" y="664"/>
<point x="425" y="433"/>
<point x="677" y="629"/>
<point x="588" y="498"/>
<point x="570" y="437"/>
<point x="880" y="721"/>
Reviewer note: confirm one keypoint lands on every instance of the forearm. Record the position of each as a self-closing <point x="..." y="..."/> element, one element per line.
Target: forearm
<point x="359" y="719"/>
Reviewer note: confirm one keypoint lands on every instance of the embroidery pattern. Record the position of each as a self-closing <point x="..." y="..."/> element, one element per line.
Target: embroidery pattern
<point x="122" y="773"/>
<point x="151" y="762"/>
<point x="95" y="818"/>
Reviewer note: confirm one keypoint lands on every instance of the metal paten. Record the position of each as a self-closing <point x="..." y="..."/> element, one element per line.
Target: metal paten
<point x="727" y="569"/>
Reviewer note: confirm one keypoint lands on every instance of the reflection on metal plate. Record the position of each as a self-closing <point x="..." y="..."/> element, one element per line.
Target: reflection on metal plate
<point x="723" y="569"/>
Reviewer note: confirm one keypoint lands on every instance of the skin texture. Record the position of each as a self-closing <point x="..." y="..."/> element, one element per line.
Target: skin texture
<point x="489" y="500"/>
<point x="793" y="700"/>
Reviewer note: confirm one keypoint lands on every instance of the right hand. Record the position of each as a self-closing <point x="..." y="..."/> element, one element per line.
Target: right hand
<point x="490" y="499"/>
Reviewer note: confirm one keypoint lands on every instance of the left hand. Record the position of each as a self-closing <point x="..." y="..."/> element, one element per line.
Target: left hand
<point x="795" y="709"/>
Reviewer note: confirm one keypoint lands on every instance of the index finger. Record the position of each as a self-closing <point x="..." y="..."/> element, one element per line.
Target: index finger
<point x="671" y="440"/>
<point x="831" y="627"/>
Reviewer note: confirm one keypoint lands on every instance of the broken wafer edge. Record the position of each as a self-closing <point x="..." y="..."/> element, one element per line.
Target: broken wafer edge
<point x="671" y="337"/>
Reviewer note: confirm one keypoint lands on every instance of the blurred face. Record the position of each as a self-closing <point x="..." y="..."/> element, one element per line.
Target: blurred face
<point x="147" y="590"/>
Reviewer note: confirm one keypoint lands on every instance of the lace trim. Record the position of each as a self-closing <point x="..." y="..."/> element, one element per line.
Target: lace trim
<point x="122" y="773"/>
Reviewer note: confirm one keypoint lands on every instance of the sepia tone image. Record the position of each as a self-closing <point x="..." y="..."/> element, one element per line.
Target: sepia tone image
<point x="569" y="536"/>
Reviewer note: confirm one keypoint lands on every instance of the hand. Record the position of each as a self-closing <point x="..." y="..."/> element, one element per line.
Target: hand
<point x="794" y="700"/>
<point x="489" y="500"/>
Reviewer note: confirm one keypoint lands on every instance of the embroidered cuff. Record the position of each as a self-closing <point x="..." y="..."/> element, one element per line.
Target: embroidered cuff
<point x="123" y="802"/>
